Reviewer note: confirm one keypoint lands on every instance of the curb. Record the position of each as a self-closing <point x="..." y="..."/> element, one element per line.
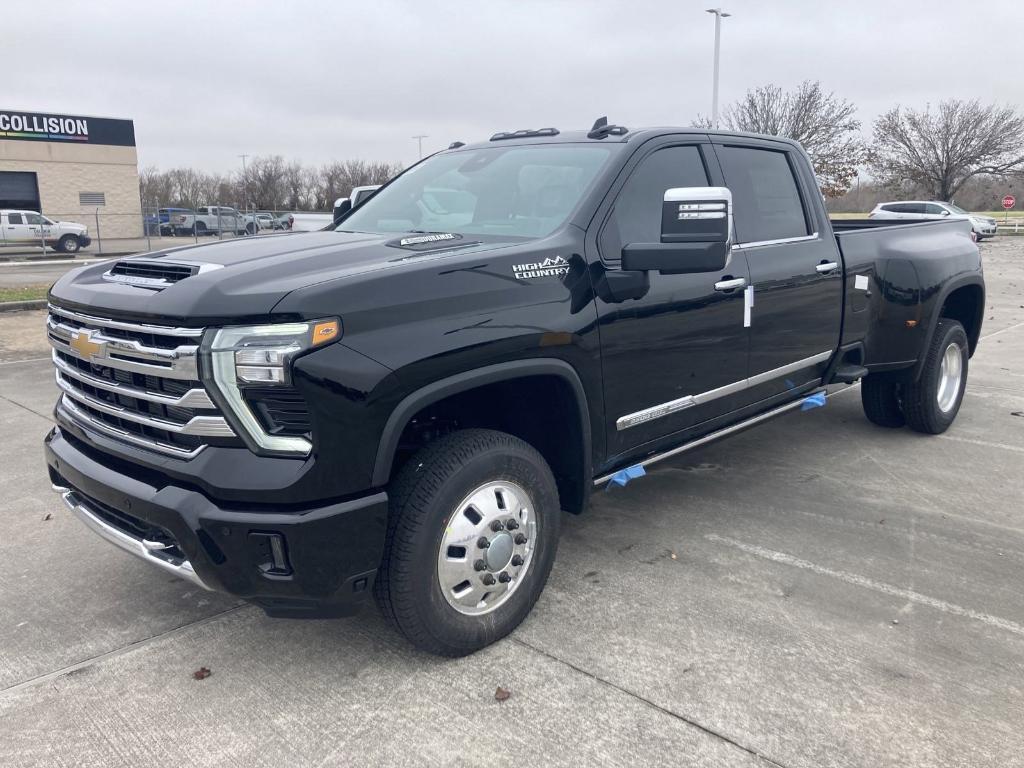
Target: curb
<point x="60" y="257"/>
<point x="21" y="306"/>
<point x="39" y="257"/>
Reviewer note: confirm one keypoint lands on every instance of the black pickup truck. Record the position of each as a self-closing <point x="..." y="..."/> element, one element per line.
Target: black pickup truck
<point x="403" y="406"/>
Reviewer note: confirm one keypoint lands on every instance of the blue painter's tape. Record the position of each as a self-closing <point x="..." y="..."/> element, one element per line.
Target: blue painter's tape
<point x="624" y="476"/>
<point x="817" y="400"/>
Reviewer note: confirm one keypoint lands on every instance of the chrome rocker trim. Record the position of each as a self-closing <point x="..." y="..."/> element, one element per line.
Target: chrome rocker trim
<point x="718" y="434"/>
<point x="688" y="401"/>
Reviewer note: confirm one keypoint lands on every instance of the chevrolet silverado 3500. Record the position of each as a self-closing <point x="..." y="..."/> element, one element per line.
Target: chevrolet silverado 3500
<point x="403" y="406"/>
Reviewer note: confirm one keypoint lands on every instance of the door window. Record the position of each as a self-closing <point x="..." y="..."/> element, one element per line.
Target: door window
<point x="765" y="196"/>
<point x="934" y="210"/>
<point x="636" y="217"/>
<point x="33" y="218"/>
<point x="14" y="218"/>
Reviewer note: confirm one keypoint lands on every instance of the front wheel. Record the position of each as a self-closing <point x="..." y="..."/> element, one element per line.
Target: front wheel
<point x="69" y="244"/>
<point x="932" y="402"/>
<point x="472" y="534"/>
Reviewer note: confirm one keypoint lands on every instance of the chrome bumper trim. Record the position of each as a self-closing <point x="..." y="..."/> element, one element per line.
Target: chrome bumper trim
<point x="122" y="540"/>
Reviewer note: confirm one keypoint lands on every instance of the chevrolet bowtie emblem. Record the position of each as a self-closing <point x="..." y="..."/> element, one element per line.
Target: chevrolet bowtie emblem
<point x="83" y="344"/>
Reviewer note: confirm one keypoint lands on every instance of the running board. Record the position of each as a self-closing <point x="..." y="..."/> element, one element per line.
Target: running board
<point x="711" y="437"/>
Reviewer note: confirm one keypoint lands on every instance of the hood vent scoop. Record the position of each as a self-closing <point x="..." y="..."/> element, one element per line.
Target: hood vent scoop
<point x="155" y="274"/>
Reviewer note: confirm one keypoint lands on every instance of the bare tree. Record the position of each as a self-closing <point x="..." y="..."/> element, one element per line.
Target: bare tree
<point x="939" y="151"/>
<point x="825" y="124"/>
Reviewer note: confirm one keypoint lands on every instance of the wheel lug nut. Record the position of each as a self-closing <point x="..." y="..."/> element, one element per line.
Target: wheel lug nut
<point x="480" y="565"/>
<point x="488" y="579"/>
<point x="483" y="543"/>
<point x="504" y="578"/>
<point x="517" y="560"/>
<point x="496" y="526"/>
<point x="511" y="525"/>
<point x="520" y="538"/>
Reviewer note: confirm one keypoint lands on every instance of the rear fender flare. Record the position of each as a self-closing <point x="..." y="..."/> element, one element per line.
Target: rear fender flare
<point x="940" y="301"/>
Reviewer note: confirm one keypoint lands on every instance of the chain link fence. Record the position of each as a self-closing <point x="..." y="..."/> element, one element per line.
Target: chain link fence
<point x="103" y="232"/>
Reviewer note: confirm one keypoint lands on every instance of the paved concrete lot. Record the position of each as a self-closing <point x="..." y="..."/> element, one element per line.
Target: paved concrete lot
<point x="815" y="592"/>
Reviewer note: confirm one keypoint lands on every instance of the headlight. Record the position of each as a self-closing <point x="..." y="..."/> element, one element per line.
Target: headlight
<point x="261" y="355"/>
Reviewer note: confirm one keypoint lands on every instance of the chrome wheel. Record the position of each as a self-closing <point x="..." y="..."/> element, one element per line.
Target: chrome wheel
<point x="487" y="548"/>
<point x="950" y="373"/>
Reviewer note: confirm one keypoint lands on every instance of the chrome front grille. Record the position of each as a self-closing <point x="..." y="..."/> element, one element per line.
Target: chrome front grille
<point x="135" y="382"/>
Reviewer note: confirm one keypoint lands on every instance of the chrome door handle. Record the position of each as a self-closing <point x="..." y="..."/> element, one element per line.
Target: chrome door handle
<point x="731" y="284"/>
<point x="826" y="266"/>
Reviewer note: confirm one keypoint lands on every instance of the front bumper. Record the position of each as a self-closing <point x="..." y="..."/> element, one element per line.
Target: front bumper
<point x="986" y="230"/>
<point x="309" y="562"/>
<point x="84" y="241"/>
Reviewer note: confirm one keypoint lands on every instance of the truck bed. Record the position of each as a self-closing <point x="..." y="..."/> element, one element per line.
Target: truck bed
<point x="893" y="269"/>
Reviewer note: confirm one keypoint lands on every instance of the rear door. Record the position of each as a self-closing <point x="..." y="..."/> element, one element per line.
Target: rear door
<point x="675" y="356"/>
<point x="794" y="264"/>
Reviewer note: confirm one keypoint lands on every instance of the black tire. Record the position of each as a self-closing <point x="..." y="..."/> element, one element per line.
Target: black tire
<point x="921" y="398"/>
<point x="880" y="396"/>
<point x="199" y="228"/>
<point x="69" y="244"/>
<point x="424" y="496"/>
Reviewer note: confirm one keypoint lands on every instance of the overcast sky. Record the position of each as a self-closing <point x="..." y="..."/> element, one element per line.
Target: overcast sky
<point x="207" y="81"/>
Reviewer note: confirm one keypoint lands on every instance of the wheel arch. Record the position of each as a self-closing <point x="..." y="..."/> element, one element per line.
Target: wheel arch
<point x="574" y="497"/>
<point x="962" y="300"/>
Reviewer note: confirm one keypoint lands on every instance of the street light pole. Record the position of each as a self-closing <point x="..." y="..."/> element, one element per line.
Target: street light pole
<point x="245" y="189"/>
<point x="420" y="139"/>
<point x="719" y="15"/>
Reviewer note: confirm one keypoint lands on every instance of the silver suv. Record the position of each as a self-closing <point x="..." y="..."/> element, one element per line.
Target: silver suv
<point x="983" y="226"/>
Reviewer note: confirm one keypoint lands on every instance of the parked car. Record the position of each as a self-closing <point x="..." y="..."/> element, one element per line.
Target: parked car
<point x="209" y="220"/>
<point x="983" y="226"/>
<point x="357" y="197"/>
<point x="309" y="222"/>
<point x="404" y="406"/>
<point x="256" y="222"/>
<point x="160" y="223"/>
<point x="29" y="228"/>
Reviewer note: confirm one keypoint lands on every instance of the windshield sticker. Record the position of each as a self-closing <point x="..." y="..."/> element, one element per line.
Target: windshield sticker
<point x="546" y="268"/>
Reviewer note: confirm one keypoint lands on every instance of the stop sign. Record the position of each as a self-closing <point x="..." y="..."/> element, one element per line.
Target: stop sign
<point x="1009" y="201"/>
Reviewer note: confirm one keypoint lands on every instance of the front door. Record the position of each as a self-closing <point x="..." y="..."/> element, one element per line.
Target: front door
<point x="795" y="269"/>
<point x="672" y="358"/>
<point x="17" y="230"/>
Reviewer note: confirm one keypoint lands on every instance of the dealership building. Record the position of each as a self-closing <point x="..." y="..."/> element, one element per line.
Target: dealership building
<point x="72" y="168"/>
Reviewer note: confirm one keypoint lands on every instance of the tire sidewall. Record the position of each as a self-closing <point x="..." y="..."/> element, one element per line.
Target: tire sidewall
<point x="68" y="244"/>
<point x="946" y="333"/>
<point x="447" y="625"/>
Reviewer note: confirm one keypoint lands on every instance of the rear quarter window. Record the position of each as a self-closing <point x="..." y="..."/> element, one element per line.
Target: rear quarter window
<point x="766" y="200"/>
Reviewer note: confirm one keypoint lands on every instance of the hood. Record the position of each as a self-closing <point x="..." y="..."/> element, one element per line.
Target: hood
<point x="242" y="279"/>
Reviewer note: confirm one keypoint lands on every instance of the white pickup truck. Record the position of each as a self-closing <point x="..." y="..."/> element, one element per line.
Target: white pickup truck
<point x="209" y="220"/>
<point x="26" y="229"/>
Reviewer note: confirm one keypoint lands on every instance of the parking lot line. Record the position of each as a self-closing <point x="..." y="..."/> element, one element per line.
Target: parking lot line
<point x="985" y="443"/>
<point x="877" y="586"/>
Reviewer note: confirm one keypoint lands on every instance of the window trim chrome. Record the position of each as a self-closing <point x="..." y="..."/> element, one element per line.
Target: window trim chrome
<point x="702" y="398"/>
<point x="780" y="241"/>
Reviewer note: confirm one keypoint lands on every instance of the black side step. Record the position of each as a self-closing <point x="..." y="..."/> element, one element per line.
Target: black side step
<point x="847" y="373"/>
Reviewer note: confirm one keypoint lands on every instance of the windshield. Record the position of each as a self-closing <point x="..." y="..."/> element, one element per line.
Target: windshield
<point x="955" y="208"/>
<point x="526" y="191"/>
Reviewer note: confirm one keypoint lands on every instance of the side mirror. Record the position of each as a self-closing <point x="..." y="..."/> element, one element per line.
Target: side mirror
<point x="696" y="234"/>
<point x="945" y="212"/>
<point x="341" y="206"/>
